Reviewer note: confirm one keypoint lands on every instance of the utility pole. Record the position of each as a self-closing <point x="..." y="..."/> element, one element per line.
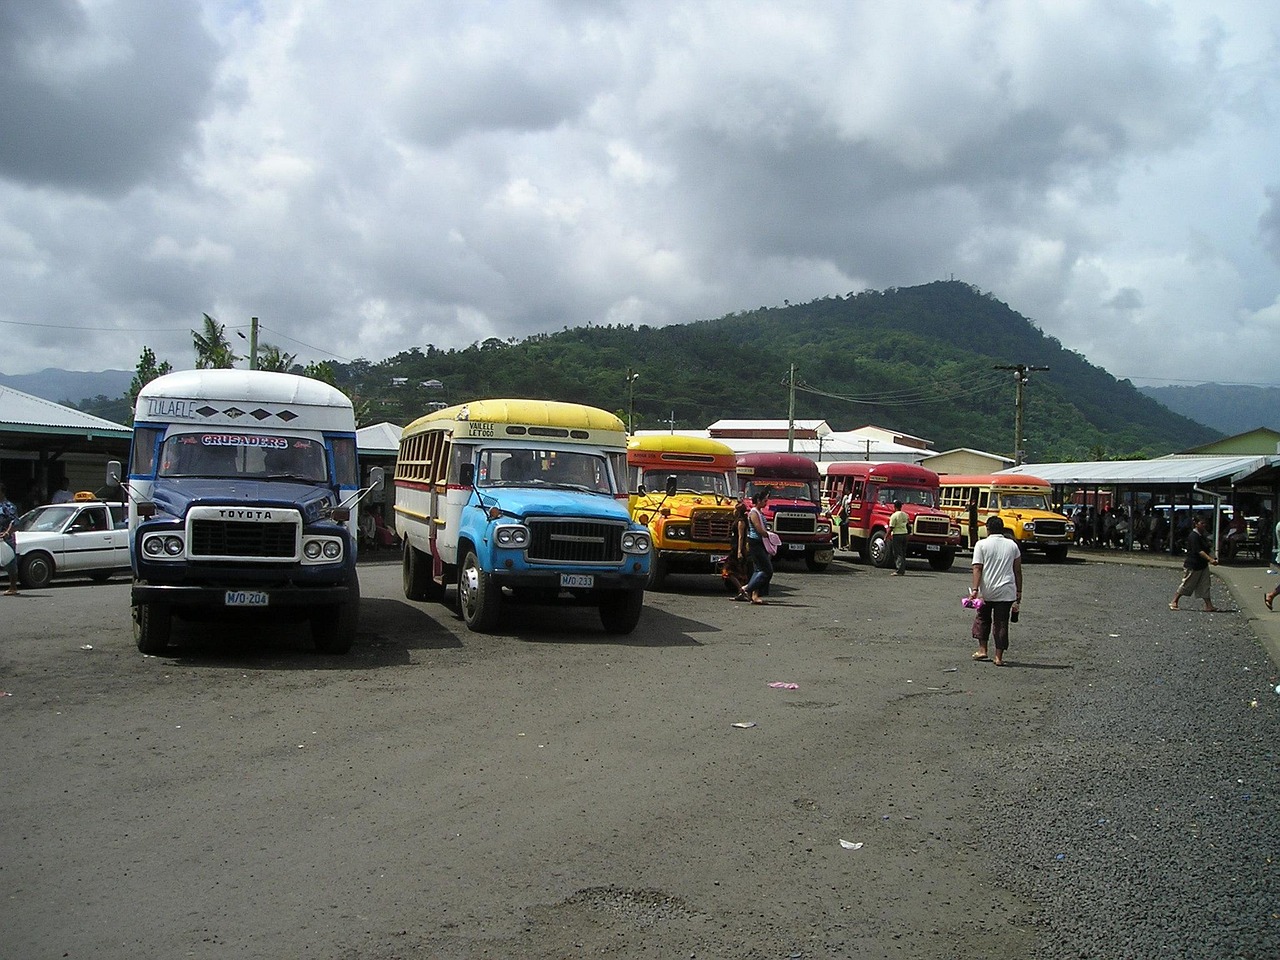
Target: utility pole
<point x="791" y="410"/>
<point x="631" y="400"/>
<point x="253" y="343"/>
<point x="1020" y="378"/>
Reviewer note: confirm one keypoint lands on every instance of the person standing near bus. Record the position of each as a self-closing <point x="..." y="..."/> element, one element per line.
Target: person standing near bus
<point x="756" y="532"/>
<point x="997" y="582"/>
<point x="1195" y="568"/>
<point x="973" y="520"/>
<point x="899" y="522"/>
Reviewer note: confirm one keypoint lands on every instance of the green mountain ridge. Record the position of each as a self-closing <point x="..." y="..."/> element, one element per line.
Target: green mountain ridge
<point x="917" y="360"/>
<point x="1231" y="408"/>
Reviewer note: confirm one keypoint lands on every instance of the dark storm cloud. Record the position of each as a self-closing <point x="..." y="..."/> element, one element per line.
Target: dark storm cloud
<point x="100" y="101"/>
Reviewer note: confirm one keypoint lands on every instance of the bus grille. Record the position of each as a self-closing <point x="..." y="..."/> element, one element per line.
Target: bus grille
<point x="711" y="526"/>
<point x="1051" y="529"/>
<point x="574" y="541"/>
<point x="933" y="526"/>
<point x="803" y="523"/>
<point x="234" y="538"/>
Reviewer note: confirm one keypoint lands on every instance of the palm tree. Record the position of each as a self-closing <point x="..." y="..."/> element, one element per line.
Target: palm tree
<point x="271" y="357"/>
<point x="213" y="349"/>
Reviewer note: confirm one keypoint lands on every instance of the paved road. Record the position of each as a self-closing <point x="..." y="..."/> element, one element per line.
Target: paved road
<point x="549" y="791"/>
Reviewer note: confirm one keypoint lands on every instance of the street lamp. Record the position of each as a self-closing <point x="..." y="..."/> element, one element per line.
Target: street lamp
<point x="631" y="400"/>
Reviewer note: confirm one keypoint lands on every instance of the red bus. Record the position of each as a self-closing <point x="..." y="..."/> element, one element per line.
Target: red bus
<point x="873" y="488"/>
<point x="793" y="509"/>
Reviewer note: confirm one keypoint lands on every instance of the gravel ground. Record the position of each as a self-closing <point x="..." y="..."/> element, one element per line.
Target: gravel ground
<point x="1142" y="820"/>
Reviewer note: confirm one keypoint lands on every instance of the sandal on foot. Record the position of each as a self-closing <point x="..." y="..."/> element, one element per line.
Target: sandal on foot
<point x="1173" y="606"/>
<point x="979" y="655"/>
<point x="1267" y="598"/>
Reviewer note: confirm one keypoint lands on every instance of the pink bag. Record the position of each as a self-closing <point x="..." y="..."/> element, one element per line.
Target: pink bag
<point x="772" y="542"/>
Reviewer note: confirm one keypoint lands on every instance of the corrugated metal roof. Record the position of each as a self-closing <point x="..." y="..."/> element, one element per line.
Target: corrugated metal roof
<point x="1164" y="470"/>
<point x="379" y="439"/>
<point x="22" y="413"/>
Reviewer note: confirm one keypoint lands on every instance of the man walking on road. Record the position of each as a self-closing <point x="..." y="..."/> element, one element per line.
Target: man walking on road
<point x="997" y="582"/>
<point x="898" y="524"/>
<point x="1195" y="569"/>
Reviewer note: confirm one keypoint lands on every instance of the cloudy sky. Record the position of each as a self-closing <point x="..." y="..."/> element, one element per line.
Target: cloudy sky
<point x="366" y="177"/>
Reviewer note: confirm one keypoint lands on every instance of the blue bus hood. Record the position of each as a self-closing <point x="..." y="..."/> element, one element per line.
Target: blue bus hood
<point x="532" y="502"/>
<point x="175" y="496"/>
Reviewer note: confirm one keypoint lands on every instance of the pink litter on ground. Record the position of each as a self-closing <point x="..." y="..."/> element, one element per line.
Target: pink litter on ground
<point x="779" y="685"/>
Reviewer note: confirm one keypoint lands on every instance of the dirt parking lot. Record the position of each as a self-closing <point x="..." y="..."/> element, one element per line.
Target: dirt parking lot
<point x="549" y="791"/>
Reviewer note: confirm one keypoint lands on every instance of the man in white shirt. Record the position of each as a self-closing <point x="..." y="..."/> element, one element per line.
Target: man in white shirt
<point x="997" y="582"/>
<point x="63" y="493"/>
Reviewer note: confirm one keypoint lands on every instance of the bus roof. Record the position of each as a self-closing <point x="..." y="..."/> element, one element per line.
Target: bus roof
<point x="675" y="443"/>
<point x="226" y="397"/>
<point x="791" y="466"/>
<point x="890" y="469"/>
<point x="554" y="414"/>
<point x="992" y="480"/>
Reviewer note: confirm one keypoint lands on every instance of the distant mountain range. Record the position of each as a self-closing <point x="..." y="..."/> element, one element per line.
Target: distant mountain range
<point x="70" y="387"/>
<point x="1231" y="409"/>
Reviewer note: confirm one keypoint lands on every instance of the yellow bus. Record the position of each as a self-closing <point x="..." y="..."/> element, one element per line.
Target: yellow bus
<point x="520" y="500"/>
<point x="683" y="489"/>
<point x="1020" y="500"/>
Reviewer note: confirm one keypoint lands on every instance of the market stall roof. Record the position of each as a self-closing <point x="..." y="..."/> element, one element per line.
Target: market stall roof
<point x="33" y="423"/>
<point x="379" y="440"/>
<point x="1172" y="470"/>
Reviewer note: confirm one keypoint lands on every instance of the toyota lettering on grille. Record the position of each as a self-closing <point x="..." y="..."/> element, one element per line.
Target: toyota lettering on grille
<point x="264" y="515"/>
<point x="568" y="538"/>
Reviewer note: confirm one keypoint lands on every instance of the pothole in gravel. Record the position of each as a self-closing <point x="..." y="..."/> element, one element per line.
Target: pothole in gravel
<point x="643" y="908"/>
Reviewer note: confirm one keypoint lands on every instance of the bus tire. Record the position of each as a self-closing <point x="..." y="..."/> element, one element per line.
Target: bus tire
<point x="479" y="599"/>
<point x="1056" y="554"/>
<point x="415" y="569"/>
<point x="152" y="627"/>
<point x="814" y="565"/>
<point x="333" y="629"/>
<point x="878" y="548"/>
<point x="942" y="561"/>
<point x="658" y="569"/>
<point x="620" y="610"/>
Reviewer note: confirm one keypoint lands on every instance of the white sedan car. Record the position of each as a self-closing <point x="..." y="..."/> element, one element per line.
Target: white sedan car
<point x="81" y="538"/>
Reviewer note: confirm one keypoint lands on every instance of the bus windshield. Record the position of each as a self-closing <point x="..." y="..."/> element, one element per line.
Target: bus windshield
<point x="922" y="496"/>
<point x="243" y="456"/>
<point x="690" y="481"/>
<point x="505" y="467"/>
<point x="1025" y="501"/>
<point x="783" y="489"/>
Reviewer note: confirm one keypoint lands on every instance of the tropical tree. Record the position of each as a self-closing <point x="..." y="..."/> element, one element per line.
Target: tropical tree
<point x="272" y="358"/>
<point x="146" y="371"/>
<point x="213" y="349"/>
<point x="322" y="370"/>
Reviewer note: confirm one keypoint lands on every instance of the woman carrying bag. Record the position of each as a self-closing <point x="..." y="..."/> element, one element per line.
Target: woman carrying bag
<point x="757" y="535"/>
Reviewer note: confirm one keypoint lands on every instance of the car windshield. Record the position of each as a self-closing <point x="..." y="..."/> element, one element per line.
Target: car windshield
<point x="45" y="519"/>
<point x="697" y="481"/>
<point x="530" y="467"/>
<point x="921" y="496"/>
<point x="236" y="456"/>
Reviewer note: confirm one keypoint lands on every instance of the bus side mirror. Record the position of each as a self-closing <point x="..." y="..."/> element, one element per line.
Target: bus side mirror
<point x="467" y="475"/>
<point x="671" y="485"/>
<point x="641" y="491"/>
<point x="377" y="479"/>
<point x="113" y="473"/>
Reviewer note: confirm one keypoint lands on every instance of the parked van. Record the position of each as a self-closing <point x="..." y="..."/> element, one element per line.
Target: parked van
<point x="1020" y="500"/>
<point x="793" y="509"/>
<point x="520" y="500"/>
<point x="683" y="489"/>
<point x="872" y="490"/>
<point x="243" y="501"/>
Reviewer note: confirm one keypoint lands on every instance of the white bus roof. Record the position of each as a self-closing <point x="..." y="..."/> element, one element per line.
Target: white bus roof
<point x="245" y="398"/>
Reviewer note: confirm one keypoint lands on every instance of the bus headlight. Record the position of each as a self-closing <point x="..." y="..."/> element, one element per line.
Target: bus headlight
<point x="676" y="531"/>
<point x="823" y="529"/>
<point x="321" y="550"/>
<point x="635" y="541"/>
<point x="162" y="547"/>
<point x="511" y="536"/>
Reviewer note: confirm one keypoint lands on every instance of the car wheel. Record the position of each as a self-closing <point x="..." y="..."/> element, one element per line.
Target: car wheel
<point x="478" y="598"/>
<point x="36" y="570"/>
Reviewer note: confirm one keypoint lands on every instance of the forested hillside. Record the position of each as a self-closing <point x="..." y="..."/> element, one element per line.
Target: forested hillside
<point x="918" y="360"/>
<point x="1231" y="408"/>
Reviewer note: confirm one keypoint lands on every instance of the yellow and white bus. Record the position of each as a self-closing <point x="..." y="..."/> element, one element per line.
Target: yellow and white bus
<point x="1020" y="500"/>
<point x="520" y="500"/>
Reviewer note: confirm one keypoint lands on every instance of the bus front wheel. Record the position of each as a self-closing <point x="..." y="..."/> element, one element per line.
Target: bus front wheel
<point x="152" y="627"/>
<point x="479" y="598"/>
<point x="878" y="547"/>
<point x="942" y="560"/>
<point x="620" y="610"/>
